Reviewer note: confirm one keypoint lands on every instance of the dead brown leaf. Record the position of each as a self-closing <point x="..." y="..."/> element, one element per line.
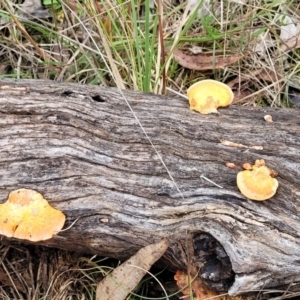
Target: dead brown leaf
<point x="202" y="62"/>
<point x="246" y="80"/>
<point x="243" y="85"/>
<point x="119" y="283"/>
<point x="269" y="76"/>
<point x="289" y="45"/>
<point x="240" y="95"/>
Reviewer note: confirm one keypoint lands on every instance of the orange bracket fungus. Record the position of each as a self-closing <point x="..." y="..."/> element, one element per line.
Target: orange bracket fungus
<point x="256" y="182"/>
<point x="27" y="215"/>
<point x="207" y="95"/>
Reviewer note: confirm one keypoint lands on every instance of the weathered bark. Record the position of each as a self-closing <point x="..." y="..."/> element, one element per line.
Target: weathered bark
<point x="83" y="149"/>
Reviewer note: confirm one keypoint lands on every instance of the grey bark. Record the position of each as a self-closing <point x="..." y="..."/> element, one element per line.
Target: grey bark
<point x="84" y="150"/>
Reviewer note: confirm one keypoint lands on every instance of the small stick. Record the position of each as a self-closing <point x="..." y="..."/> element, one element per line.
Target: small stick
<point x="203" y="177"/>
<point x="162" y="46"/>
<point x="69" y="226"/>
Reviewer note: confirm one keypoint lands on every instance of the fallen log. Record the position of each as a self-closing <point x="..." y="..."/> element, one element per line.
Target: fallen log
<point x="85" y="151"/>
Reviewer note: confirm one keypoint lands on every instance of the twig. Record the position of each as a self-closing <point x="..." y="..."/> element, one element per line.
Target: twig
<point x="162" y="46"/>
<point x="203" y="177"/>
<point x="28" y="37"/>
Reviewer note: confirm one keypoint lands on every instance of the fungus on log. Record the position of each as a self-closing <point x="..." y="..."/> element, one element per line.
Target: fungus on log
<point x="82" y="148"/>
<point x="27" y="215"/>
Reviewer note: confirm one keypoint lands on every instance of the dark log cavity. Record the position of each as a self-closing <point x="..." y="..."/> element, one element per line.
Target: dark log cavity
<point x="213" y="263"/>
<point x="83" y="149"/>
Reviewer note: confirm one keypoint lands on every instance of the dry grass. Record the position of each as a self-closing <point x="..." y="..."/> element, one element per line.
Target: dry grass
<point x="41" y="273"/>
<point x="32" y="272"/>
<point x="116" y="43"/>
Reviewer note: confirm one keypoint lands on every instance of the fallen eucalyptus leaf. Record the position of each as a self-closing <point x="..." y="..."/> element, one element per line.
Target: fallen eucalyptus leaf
<point x="203" y="62"/>
<point x="119" y="283"/>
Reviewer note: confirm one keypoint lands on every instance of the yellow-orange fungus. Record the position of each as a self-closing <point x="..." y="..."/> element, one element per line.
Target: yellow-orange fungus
<point x="27" y="215"/>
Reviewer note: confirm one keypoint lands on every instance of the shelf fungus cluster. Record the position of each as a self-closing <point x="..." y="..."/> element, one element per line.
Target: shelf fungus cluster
<point x="257" y="182"/>
<point x="27" y="215"/>
<point x="207" y="95"/>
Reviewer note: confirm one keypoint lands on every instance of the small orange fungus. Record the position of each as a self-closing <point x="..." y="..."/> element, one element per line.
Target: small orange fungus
<point x="194" y="285"/>
<point x="27" y="215"/>
<point x="257" y="183"/>
<point x="207" y="95"/>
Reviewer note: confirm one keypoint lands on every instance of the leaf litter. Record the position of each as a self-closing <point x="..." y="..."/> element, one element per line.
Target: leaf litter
<point x="120" y="282"/>
<point x="201" y="62"/>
